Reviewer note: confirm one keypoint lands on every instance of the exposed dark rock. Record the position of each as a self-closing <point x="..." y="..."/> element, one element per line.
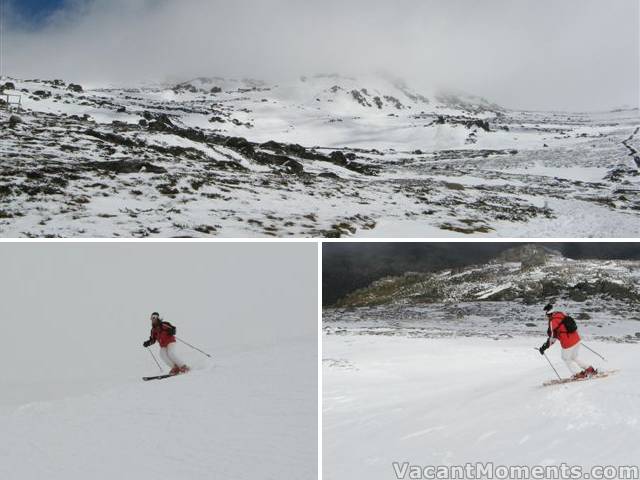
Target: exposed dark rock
<point x="14" y="120"/>
<point x="206" y="229"/>
<point x="42" y="93"/>
<point x="359" y="97"/>
<point x="272" y="145"/>
<point x="74" y="87"/>
<point x="167" y="189"/>
<point x="338" y="158"/>
<point x="291" y="165"/>
<point x="394" y="101"/>
<point x="483" y="124"/>
<point x="584" y="290"/>
<point x="240" y="144"/>
<point x="330" y="175"/>
<point x="128" y="166"/>
<point x="185" y="87"/>
<point x="111" y="137"/>
<point x="159" y="122"/>
<point x="454" y="186"/>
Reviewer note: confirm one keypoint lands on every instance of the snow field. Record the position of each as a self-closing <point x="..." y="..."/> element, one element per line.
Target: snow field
<point x="248" y="415"/>
<point x="452" y="401"/>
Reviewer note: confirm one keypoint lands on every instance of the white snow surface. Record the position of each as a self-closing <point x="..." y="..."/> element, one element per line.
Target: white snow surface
<point x="247" y="415"/>
<point x="432" y="168"/>
<point x="449" y="401"/>
<point x="74" y="316"/>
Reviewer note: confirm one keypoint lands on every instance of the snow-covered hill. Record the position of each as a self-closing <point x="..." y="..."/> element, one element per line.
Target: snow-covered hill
<point x="249" y="414"/>
<point x="442" y="369"/>
<point x="529" y="273"/>
<point x="318" y="156"/>
<point x="446" y="402"/>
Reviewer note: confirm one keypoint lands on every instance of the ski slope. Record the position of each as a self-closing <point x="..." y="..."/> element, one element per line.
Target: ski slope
<point x="248" y="414"/>
<point x="450" y="401"/>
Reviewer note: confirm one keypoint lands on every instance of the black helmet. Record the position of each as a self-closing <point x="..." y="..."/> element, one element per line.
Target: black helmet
<point x="548" y="307"/>
<point x="155" y="314"/>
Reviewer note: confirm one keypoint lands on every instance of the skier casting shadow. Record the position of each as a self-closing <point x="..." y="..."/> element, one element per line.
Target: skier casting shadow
<point x="563" y="328"/>
<point x="164" y="333"/>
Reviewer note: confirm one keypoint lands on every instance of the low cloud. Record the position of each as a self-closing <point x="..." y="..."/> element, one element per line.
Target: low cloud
<point x="536" y="54"/>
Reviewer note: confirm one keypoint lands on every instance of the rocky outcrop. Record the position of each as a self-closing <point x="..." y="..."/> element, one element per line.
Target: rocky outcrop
<point x="14" y="120"/>
<point x="128" y="166"/>
<point x="528" y="274"/>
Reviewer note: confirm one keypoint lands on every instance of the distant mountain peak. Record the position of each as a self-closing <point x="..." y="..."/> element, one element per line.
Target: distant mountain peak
<point x="529" y="254"/>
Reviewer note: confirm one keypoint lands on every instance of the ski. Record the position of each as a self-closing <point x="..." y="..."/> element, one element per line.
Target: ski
<point x="157" y="377"/>
<point x="571" y="380"/>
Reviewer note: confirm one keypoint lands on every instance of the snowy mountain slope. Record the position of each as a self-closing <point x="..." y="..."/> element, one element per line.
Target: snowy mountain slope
<point x="251" y="414"/>
<point x="318" y="156"/>
<point x="528" y="273"/>
<point x="452" y="401"/>
<point x="440" y="369"/>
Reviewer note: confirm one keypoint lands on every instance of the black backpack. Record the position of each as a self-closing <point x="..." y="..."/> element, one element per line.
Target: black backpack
<point x="171" y="330"/>
<point x="570" y="324"/>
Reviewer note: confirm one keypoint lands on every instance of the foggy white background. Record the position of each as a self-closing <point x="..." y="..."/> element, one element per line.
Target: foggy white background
<point x="76" y="314"/>
<point x="534" y="54"/>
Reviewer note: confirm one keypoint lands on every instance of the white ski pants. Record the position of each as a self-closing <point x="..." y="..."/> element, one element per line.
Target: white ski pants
<point x="168" y="356"/>
<point x="570" y="357"/>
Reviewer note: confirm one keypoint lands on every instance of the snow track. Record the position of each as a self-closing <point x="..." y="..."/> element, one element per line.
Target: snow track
<point x="252" y="415"/>
<point x="452" y="401"/>
<point x="634" y="153"/>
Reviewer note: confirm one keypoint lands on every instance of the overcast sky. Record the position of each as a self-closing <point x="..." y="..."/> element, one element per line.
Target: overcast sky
<point x="536" y="54"/>
<point x="73" y="311"/>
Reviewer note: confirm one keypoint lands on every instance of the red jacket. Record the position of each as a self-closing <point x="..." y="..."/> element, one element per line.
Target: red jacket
<point x="559" y="331"/>
<point x="162" y="334"/>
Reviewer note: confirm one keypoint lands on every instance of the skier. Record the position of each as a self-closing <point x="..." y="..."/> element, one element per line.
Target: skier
<point x="164" y="333"/>
<point x="569" y="341"/>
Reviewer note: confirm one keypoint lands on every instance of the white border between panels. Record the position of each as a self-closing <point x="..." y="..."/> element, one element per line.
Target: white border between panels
<point x="319" y="360"/>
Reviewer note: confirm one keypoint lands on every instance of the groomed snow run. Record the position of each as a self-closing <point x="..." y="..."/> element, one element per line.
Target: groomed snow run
<point x="248" y="415"/>
<point x="432" y="402"/>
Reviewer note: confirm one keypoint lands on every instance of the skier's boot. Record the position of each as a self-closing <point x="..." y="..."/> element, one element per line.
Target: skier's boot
<point x="579" y="375"/>
<point x="184" y="369"/>
<point x="590" y="371"/>
<point x="175" y="370"/>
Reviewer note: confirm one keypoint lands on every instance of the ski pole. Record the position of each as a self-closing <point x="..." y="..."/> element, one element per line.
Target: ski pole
<point x="154" y="358"/>
<point x="592" y="350"/>
<point x="195" y="348"/>
<point x="550" y="364"/>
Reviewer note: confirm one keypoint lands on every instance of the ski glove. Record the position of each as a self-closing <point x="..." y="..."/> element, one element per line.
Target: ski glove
<point x="544" y="346"/>
<point x="146" y="343"/>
